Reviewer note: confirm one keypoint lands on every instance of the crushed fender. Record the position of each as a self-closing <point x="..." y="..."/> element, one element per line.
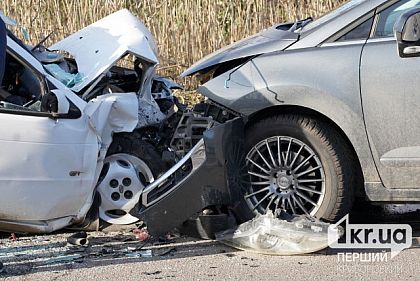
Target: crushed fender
<point x="267" y="234"/>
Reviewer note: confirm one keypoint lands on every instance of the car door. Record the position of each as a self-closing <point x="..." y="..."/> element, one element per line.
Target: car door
<point x="391" y="102"/>
<point x="47" y="163"/>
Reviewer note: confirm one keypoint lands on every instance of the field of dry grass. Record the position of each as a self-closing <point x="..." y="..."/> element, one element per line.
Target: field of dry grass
<point x="185" y="30"/>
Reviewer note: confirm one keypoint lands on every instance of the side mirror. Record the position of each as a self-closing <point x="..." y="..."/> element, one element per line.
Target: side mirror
<point x="56" y="103"/>
<point x="407" y="32"/>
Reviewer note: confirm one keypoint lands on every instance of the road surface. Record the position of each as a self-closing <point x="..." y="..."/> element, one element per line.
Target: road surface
<point x="120" y="256"/>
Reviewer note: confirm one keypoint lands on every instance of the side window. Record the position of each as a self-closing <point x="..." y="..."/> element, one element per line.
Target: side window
<point x="388" y="17"/>
<point x="21" y="86"/>
<point x="361" y="32"/>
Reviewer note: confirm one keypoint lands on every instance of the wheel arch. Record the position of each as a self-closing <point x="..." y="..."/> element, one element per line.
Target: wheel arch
<point x="301" y="110"/>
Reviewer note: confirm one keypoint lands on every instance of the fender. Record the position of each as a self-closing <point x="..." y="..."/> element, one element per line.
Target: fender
<point x="256" y="87"/>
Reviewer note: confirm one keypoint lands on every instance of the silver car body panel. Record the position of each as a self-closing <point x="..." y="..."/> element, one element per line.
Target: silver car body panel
<point x="268" y="40"/>
<point x="361" y="85"/>
<point x="318" y="35"/>
<point x="273" y="40"/>
<point x="255" y="87"/>
<point x="391" y="106"/>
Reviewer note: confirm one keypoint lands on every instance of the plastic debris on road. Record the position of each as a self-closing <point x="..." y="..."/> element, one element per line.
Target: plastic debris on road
<point x="78" y="239"/>
<point x="64" y="259"/>
<point x="141" y="234"/>
<point x="267" y="234"/>
<point x="140" y="254"/>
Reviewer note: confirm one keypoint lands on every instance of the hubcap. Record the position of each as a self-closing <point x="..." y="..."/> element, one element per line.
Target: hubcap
<point x="285" y="174"/>
<point x="123" y="178"/>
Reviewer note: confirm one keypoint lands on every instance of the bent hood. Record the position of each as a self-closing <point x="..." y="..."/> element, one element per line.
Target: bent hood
<point x="269" y="40"/>
<point x="97" y="47"/>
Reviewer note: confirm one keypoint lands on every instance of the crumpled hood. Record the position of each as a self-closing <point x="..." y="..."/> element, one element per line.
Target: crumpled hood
<point x="97" y="47"/>
<point x="268" y="40"/>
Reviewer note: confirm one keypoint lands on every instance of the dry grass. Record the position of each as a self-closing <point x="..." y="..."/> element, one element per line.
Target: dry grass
<point x="185" y="30"/>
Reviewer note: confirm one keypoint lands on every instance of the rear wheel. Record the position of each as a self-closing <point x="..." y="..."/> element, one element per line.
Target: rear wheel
<point x="300" y="165"/>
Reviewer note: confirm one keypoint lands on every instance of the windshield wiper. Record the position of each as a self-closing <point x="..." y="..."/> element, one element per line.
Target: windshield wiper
<point x="42" y="41"/>
<point x="300" y="24"/>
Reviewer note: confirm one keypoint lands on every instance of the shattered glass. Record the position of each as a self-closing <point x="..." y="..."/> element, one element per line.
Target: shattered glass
<point x="267" y="234"/>
<point x="68" y="79"/>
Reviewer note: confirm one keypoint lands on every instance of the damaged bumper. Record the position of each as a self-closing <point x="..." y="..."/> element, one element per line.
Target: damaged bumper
<point x="214" y="178"/>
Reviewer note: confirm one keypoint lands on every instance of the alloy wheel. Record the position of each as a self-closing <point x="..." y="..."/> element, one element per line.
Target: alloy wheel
<point x="286" y="174"/>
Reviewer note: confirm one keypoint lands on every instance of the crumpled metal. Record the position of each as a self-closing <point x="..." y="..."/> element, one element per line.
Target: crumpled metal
<point x="149" y="112"/>
<point x="267" y="234"/>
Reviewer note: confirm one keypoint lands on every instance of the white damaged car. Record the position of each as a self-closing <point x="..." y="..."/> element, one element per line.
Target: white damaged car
<point x="88" y="130"/>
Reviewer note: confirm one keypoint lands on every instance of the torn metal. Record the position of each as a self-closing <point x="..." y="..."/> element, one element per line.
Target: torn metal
<point x="267" y="234"/>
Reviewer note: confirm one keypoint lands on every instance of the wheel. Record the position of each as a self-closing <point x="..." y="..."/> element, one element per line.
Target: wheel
<point x="300" y="165"/>
<point x="131" y="164"/>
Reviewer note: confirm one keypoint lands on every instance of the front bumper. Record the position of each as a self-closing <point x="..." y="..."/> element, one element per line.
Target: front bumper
<point x="217" y="177"/>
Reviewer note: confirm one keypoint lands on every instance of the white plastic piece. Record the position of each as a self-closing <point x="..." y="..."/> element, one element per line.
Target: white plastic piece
<point x="266" y="234"/>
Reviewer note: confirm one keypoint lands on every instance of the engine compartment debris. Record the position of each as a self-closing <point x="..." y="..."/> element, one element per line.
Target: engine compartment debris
<point x="267" y="234"/>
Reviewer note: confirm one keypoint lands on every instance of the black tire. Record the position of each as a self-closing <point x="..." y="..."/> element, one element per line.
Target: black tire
<point x="336" y="157"/>
<point x="131" y="143"/>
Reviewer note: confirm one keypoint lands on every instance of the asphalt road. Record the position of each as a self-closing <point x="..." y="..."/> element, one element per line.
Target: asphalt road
<point x="119" y="256"/>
